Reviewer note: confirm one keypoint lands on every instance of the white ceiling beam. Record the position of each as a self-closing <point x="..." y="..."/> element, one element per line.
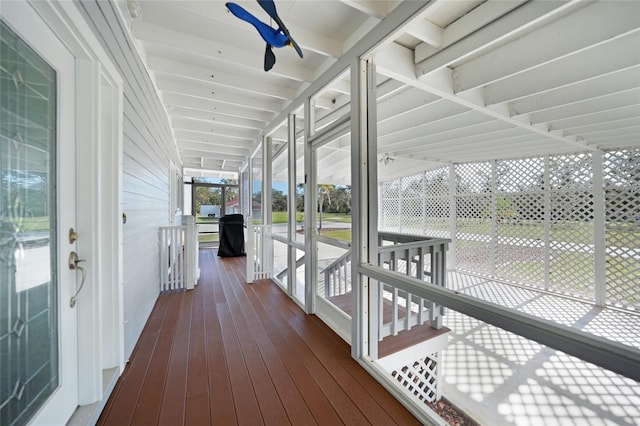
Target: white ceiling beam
<point x="396" y="62"/>
<point x="450" y="140"/>
<point x="190" y="136"/>
<point x="376" y="9"/>
<point x="211" y="105"/>
<point x="224" y="150"/>
<point x="308" y="40"/>
<point x="590" y="107"/>
<point x="617" y="55"/>
<point x="521" y="19"/>
<point x="630" y="132"/>
<point x="188" y="152"/>
<point x="213" y="77"/>
<point x="391" y="26"/>
<point x="623" y="112"/>
<point x="194" y="136"/>
<point x="219" y="51"/>
<point x="477" y="18"/>
<point x="426" y="32"/>
<point x="559" y="39"/>
<point x="421" y="121"/>
<point x="614" y="122"/>
<point x="616" y="82"/>
<point x="213" y="128"/>
<point x="208" y="117"/>
<point x="422" y="29"/>
<point x="221" y="94"/>
<point x="467" y="135"/>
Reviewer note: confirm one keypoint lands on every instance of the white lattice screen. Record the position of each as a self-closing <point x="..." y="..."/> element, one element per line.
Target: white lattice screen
<point x="622" y="210"/>
<point x="520" y="247"/>
<point x="531" y="220"/>
<point x="421" y="378"/>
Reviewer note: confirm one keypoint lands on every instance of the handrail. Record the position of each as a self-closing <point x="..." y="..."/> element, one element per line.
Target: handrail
<point x="426" y="254"/>
<point x="179" y="255"/>
<point x="337" y="269"/>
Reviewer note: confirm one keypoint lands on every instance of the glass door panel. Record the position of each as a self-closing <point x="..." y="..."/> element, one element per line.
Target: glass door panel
<point x="30" y="279"/>
<point x="208" y="209"/>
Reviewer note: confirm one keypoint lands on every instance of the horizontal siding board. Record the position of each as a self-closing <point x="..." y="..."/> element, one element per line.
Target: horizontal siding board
<point x="136" y="185"/>
<point x="148" y="150"/>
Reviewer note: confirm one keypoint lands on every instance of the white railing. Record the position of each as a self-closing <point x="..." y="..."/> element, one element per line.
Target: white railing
<point x="179" y="255"/>
<point x="414" y="255"/>
<point x="337" y="276"/>
<point x="259" y="252"/>
<point x="420" y="257"/>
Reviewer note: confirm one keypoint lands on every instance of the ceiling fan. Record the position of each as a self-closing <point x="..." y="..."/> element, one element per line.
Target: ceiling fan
<point x="386" y="159"/>
<point x="279" y="37"/>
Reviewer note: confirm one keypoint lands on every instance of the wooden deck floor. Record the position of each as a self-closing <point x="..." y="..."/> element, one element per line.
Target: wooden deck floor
<point x="232" y="353"/>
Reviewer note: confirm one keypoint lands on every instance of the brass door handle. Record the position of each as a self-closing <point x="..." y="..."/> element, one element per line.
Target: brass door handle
<point x="73" y="265"/>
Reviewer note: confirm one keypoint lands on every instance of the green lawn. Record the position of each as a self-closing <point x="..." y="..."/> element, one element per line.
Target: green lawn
<point x="281" y="217"/>
<point x="338" y="234"/>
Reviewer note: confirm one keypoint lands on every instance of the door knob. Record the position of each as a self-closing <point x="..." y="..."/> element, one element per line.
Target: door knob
<point x="74" y="265"/>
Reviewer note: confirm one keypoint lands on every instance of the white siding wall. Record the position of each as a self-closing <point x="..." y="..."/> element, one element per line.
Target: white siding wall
<point x="148" y="151"/>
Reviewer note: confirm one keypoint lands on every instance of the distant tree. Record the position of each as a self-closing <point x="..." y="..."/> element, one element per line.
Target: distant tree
<point x="324" y="193"/>
<point x="278" y="201"/>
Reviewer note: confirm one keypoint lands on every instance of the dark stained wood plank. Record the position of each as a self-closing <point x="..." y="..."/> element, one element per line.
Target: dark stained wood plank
<point x="291" y="349"/>
<point x="340" y="400"/>
<point x="220" y="393"/>
<point x="272" y="410"/>
<point x="293" y="402"/>
<point x="197" y="403"/>
<point x="173" y="401"/>
<point x="149" y="404"/>
<point x="234" y="353"/>
<point x="338" y="365"/>
<point x="245" y="400"/>
<point x="121" y="405"/>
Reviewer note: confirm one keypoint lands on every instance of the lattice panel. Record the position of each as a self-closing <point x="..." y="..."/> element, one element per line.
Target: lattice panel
<point x="437" y="217"/>
<point x="436" y="192"/>
<point x="571" y="243"/>
<point x="421" y="378"/>
<point x="622" y="200"/>
<point x="520" y="249"/>
<point x="412" y="212"/>
<point x="473" y="225"/>
<point x="436" y="183"/>
<point x="390" y="203"/>
<point x="473" y="178"/>
<point x="521" y="175"/>
<point x="571" y="171"/>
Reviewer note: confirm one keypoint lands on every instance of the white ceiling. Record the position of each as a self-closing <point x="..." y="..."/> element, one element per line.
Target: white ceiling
<point x="466" y="81"/>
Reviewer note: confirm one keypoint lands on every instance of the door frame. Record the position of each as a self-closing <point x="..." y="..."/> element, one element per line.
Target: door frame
<point x="99" y="129"/>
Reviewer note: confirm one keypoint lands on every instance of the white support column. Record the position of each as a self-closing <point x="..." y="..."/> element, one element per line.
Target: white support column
<point x="600" y="231"/>
<point x="267" y="189"/>
<point x="493" y="244"/>
<point x="547" y="222"/>
<point x="424" y="203"/>
<point x="453" y="215"/>
<point x="365" y="296"/>
<point x="310" y="209"/>
<point x="291" y="207"/>
<point x="249" y="249"/>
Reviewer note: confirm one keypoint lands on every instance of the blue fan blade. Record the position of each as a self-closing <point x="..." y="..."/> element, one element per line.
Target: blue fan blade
<point x="270" y="35"/>
<point x="269" y="58"/>
<point x="270" y="7"/>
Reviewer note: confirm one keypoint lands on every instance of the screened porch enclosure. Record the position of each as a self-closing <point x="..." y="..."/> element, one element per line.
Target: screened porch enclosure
<point x="531" y="182"/>
<point x="464" y="167"/>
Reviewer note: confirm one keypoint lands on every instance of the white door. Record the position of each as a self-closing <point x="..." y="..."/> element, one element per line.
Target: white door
<point x="38" y="326"/>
